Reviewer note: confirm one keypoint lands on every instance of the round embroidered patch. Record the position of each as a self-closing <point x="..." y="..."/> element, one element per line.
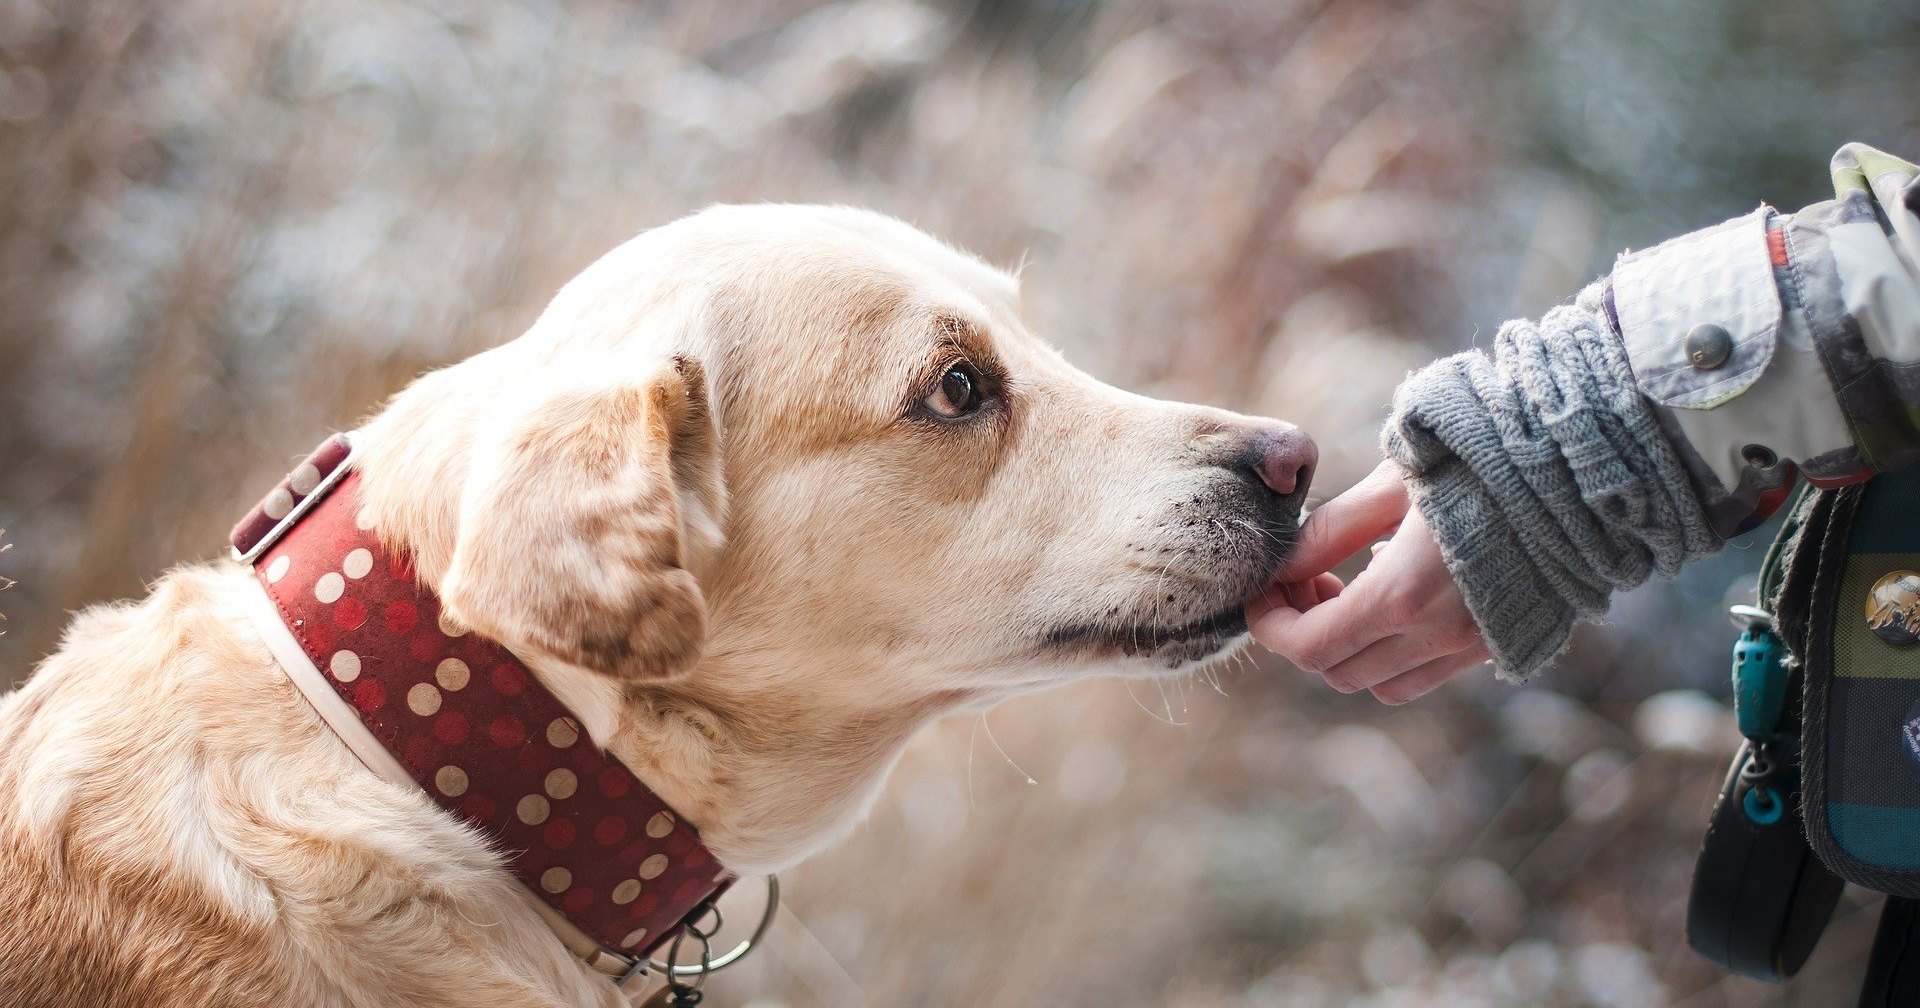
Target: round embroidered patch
<point x="1893" y="607"/>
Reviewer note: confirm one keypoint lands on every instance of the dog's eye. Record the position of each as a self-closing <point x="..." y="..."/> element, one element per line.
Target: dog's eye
<point x="960" y="393"/>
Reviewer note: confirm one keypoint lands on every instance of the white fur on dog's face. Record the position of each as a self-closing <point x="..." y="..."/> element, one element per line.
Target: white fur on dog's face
<point x="1066" y="526"/>
<point x="712" y="496"/>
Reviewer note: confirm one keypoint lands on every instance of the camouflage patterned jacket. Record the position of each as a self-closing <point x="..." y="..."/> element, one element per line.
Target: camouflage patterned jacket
<point x="1670" y="406"/>
<point x="1774" y="341"/>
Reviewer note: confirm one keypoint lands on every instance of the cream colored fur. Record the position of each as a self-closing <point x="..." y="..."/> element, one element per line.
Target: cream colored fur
<point x="702" y="498"/>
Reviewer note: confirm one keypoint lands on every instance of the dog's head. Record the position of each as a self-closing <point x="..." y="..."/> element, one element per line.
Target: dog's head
<point x="820" y="434"/>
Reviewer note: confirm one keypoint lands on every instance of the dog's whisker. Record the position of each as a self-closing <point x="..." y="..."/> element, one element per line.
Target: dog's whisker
<point x="1161" y="685"/>
<point x="1144" y="709"/>
<point x="1282" y="537"/>
<point x="1003" y="751"/>
<point x="972" y="734"/>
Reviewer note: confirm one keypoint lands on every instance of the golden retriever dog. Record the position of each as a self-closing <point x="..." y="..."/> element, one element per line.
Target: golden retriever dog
<point x="760" y="494"/>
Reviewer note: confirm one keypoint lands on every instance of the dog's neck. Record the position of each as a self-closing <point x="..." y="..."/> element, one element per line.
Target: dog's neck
<point x="745" y="745"/>
<point x="770" y="773"/>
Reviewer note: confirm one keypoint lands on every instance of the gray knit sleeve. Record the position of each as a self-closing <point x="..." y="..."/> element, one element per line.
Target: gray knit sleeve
<point x="1546" y="478"/>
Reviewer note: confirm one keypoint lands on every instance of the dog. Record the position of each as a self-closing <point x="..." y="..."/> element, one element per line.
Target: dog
<point x="761" y="493"/>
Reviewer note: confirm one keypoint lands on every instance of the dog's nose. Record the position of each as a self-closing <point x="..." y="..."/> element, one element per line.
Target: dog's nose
<point x="1283" y="458"/>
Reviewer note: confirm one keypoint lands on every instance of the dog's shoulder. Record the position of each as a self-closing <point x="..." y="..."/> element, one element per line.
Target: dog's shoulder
<point x="100" y="795"/>
<point x="184" y="829"/>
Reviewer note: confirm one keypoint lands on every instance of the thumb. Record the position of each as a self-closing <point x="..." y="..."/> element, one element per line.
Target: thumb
<point x="1344" y="525"/>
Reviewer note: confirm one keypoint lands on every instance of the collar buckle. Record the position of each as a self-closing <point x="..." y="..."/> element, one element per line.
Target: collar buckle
<point x="689" y="976"/>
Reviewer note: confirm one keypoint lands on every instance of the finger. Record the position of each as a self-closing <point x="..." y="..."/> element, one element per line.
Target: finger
<point x="1329" y="586"/>
<point x="1277" y="596"/>
<point x="1301" y="595"/>
<point x="1321" y="637"/>
<point x="1414" y="684"/>
<point x="1310" y="593"/>
<point x="1387" y="658"/>
<point x="1344" y="525"/>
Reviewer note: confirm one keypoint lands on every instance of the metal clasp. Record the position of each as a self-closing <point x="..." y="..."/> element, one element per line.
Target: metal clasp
<point x="674" y="971"/>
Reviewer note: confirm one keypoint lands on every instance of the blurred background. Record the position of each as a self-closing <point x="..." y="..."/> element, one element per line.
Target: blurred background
<point x="229" y="227"/>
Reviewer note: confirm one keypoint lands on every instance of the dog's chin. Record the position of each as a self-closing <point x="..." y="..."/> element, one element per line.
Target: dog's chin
<point x="1162" y="648"/>
<point x="1152" y="644"/>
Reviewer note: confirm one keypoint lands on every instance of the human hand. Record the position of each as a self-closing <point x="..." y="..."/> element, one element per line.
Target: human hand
<point x="1400" y="629"/>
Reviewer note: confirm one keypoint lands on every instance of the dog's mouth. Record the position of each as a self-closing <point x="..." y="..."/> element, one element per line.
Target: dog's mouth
<point x="1201" y="638"/>
<point x="1202" y="620"/>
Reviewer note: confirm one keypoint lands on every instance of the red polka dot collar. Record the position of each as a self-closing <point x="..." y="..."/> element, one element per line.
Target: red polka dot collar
<point x="462" y="718"/>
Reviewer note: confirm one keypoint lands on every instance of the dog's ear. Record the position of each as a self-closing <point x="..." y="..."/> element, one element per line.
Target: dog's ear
<point x="576" y="521"/>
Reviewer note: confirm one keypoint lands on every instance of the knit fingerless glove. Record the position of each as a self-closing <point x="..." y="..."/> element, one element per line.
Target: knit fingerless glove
<point x="1546" y="478"/>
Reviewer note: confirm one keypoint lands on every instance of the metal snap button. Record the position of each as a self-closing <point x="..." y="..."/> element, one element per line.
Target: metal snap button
<point x="1709" y="346"/>
<point x="1760" y="456"/>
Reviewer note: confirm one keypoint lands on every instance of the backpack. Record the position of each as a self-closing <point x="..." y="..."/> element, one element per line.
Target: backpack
<point x="1826" y="786"/>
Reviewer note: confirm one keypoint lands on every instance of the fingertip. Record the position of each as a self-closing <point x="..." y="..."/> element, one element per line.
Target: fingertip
<point x="1387" y="698"/>
<point x="1302" y="595"/>
<point x="1269" y="629"/>
<point x="1341" y="685"/>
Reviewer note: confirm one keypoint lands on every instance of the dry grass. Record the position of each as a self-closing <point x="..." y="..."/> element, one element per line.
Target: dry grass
<point x="228" y="227"/>
<point x="5" y="582"/>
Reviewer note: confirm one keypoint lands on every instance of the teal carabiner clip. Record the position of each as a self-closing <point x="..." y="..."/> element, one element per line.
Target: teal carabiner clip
<point x="1759" y="675"/>
<point x="1759" y="701"/>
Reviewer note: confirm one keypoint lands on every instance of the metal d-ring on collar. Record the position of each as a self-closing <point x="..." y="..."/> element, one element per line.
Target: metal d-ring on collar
<point x="672" y="969"/>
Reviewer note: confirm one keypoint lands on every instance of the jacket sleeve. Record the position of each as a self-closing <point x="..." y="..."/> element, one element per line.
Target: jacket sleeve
<point x="1778" y="343"/>
<point x="1546" y="477"/>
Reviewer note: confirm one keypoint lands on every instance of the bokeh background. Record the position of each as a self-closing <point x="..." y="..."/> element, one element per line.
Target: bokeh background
<point x="229" y="226"/>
